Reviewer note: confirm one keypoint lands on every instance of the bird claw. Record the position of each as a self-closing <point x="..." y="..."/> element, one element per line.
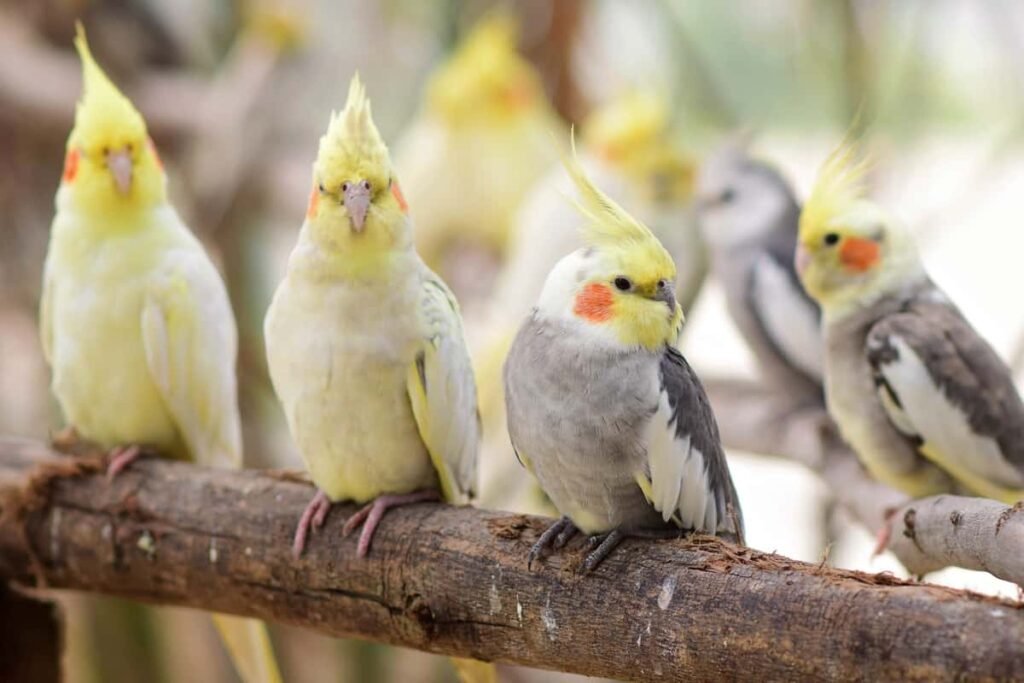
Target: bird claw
<point x="121" y="457"/>
<point x="608" y="542"/>
<point x="552" y="538"/>
<point x="312" y="517"/>
<point x="370" y="515"/>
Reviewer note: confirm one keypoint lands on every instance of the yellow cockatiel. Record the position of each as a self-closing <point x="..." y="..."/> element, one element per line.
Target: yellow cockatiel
<point x="135" y="319"/>
<point x="365" y="347"/>
<point x="481" y="141"/>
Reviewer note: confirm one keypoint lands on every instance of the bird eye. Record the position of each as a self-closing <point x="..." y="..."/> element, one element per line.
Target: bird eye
<point x="106" y="151"/>
<point x="321" y="186"/>
<point x="831" y="239"/>
<point x="662" y="284"/>
<point x="728" y="194"/>
<point x="366" y="185"/>
<point x="344" y="186"/>
<point x="129" y="148"/>
<point x="622" y="284"/>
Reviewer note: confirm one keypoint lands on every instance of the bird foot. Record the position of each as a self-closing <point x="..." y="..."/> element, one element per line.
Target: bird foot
<point x="121" y="457"/>
<point x="312" y="517"/>
<point x="369" y="515"/>
<point x="553" y="538"/>
<point x="601" y="546"/>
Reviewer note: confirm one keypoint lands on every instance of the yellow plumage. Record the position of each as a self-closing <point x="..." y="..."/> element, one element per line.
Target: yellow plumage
<point x="135" y="319"/>
<point x="480" y="141"/>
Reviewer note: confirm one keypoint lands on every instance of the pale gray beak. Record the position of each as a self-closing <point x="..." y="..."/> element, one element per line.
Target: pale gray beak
<point x="357" y="203"/>
<point x="121" y="166"/>
<point x="667" y="295"/>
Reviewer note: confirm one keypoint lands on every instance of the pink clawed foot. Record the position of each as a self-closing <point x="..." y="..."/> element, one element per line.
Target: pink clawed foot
<point x="371" y="514"/>
<point x="884" y="535"/>
<point x="313" y="516"/>
<point x="120" y="458"/>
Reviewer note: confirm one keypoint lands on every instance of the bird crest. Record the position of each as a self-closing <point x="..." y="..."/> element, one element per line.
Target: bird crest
<point x="608" y="226"/>
<point x="839" y="188"/>
<point x="352" y="147"/>
<point x="635" y="120"/>
<point x="104" y="114"/>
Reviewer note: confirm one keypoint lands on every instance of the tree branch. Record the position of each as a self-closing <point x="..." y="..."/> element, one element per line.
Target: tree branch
<point x="454" y="581"/>
<point x="956" y="531"/>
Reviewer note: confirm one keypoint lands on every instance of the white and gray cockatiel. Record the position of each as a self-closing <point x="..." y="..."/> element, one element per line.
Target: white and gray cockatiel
<point x="926" y="403"/>
<point x="602" y="409"/>
<point x="749" y="217"/>
<point x="365" y="343"/>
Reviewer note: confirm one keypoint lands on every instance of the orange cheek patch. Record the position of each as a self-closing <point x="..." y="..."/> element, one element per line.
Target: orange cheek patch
<point x="70" y="165"/>
<point x="396" y="192"/>
<point x="314" y="202"/>
<point x="594" y="303"/>
<point x="156" y="156"/>
<point x="859" y="254"/>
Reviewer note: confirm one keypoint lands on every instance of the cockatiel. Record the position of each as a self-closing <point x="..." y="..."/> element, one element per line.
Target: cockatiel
<point x="482" y="139"/>
<point x="365" y="347"/>
<point x="749" y="217"/>
<point x="135" y="319"/>
<point x="602" y="408"/>
<point x="629" y="151"/>
<point x="918" y="394"/>
<point x="365" y="343"/>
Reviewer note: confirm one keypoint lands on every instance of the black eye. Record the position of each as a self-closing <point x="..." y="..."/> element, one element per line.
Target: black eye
<point x="622" y="284"/>
<point x="728" y="194"/>
<point x="662" y="284"/>
<point x="366" y="185"/>
<point x="831" y="239"/>
<point x="321" y="186"/>
<point x="344" y="186"/>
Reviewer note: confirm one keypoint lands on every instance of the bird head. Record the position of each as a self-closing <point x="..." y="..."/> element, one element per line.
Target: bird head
<point x="740" y="199"/>
<point x="356" y="208"/>
<point x="620" y="288"/>
<point x="850" y="250"/>
<point x="633" y="133"/>
<point x="110" y="164"/>
<point x="486" y="81"/>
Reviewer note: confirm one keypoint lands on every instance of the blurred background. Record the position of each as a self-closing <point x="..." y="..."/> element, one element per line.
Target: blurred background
<point x="237" y="94"/>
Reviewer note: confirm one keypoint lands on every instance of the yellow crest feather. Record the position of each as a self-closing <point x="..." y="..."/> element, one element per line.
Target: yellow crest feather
<point x="104" y="115"/>
<point x="607" y="224"/>
<point x="840" y="185"/>
<point x="634" y="120"/>
<point x="352" y="145"/>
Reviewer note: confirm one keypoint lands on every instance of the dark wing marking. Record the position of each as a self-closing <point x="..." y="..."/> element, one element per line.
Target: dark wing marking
<point x="693" y="417"/>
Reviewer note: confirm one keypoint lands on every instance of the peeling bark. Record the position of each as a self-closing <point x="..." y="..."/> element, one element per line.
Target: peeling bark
<point x="454" y="581"/>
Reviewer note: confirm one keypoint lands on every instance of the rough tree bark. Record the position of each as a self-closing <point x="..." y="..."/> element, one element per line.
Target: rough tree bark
<point x="454" y="581"/>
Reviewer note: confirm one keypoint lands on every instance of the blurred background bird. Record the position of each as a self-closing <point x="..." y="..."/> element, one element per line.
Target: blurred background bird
<point x="748" y="216"/>
<point x="135" y="319"/>
<point x="483" y="137"/>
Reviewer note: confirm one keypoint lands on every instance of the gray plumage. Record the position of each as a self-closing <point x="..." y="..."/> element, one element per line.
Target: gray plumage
<point x="582" y="417"/>
<point x="748" y="215"/>
<point x="927" y="403"/>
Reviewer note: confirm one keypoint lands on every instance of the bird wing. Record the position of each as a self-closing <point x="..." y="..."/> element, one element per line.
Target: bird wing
<point x="46" y="314"/>
<point x="688" y="478"/>
<point x="943" y="386"/>
<point x="190" y="341"/>
<point x="790" y="319"/>
<point x="443" y="393"/>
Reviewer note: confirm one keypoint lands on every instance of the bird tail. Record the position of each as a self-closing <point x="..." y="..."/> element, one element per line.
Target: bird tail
<point x="248" y="644"/>
<point x="473" y="671"/>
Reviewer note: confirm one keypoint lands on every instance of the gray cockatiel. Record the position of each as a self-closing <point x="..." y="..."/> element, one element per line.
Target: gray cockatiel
<point x="602" y="409"/>
<point x="923" y="399"/>
<point x="748" y="216"/>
